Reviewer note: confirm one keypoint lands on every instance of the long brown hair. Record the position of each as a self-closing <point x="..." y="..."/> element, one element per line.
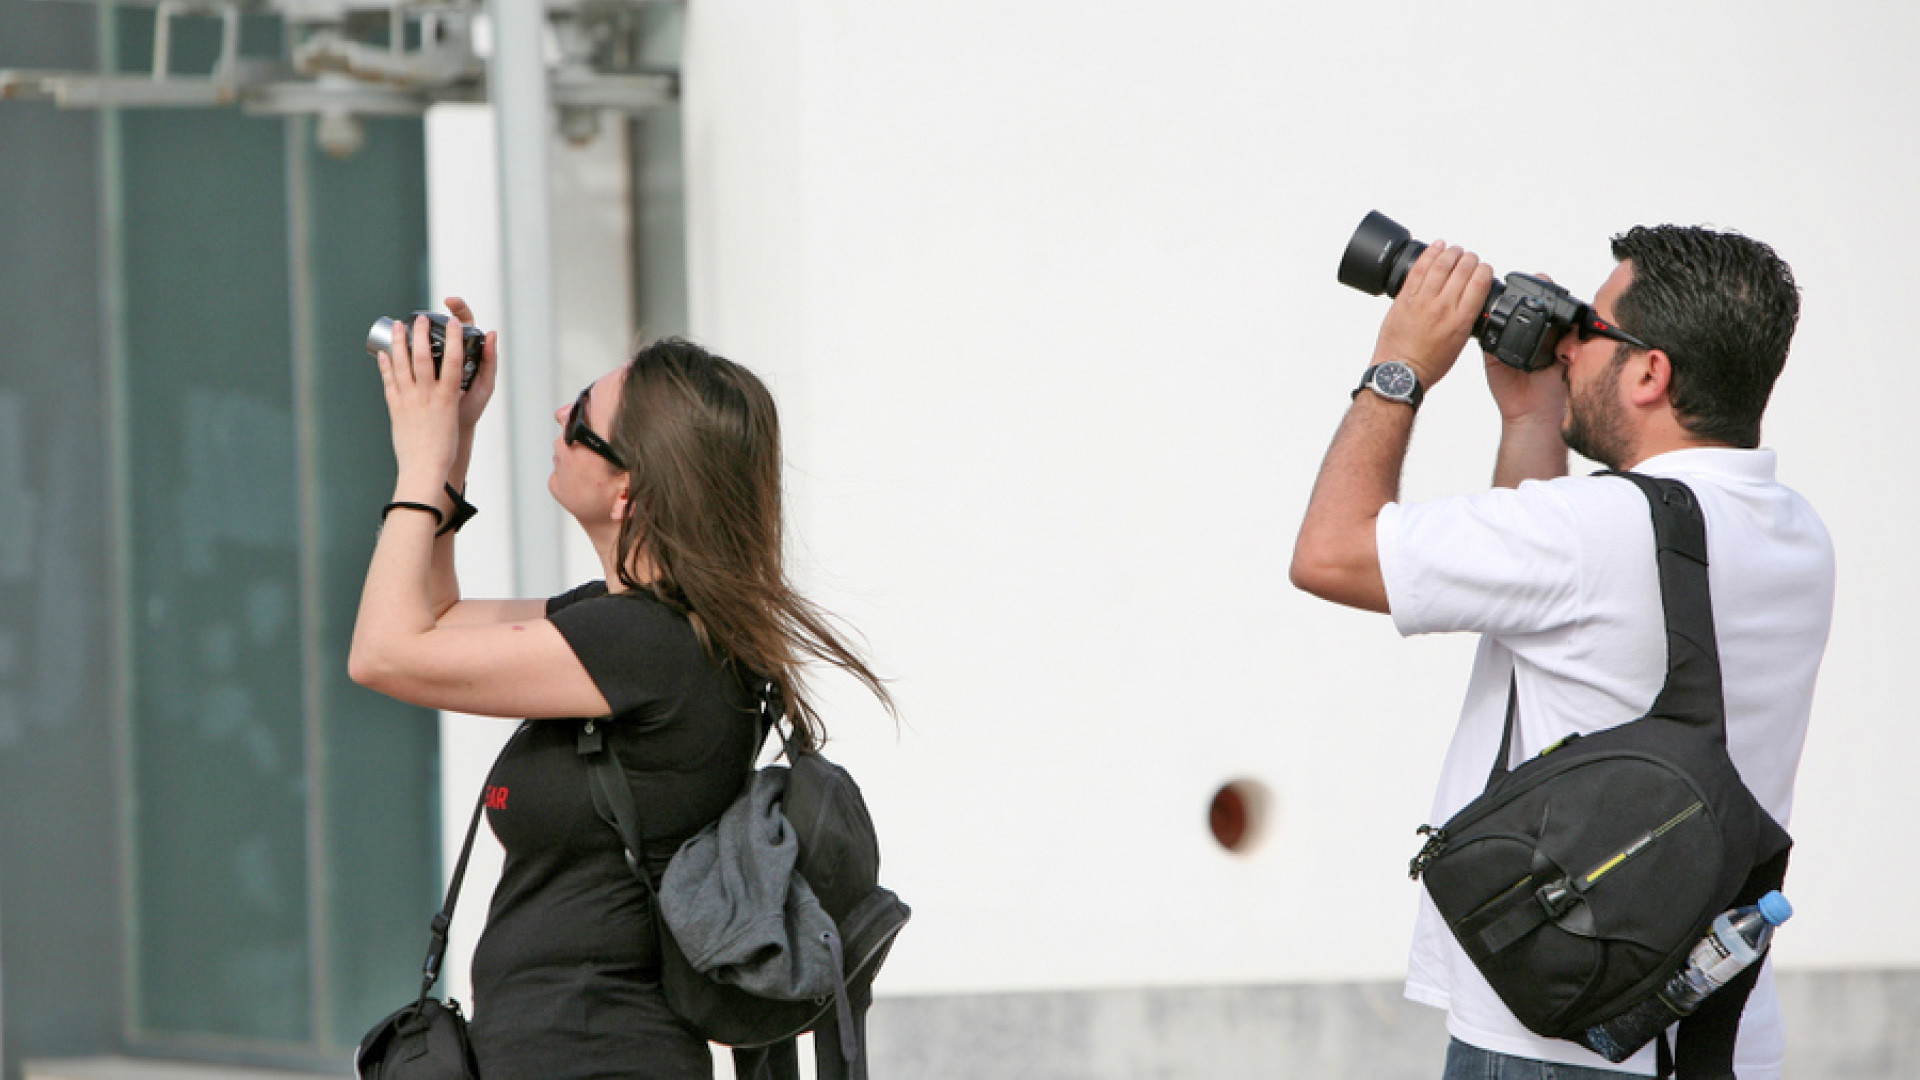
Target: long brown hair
<point x="702" y="439"/>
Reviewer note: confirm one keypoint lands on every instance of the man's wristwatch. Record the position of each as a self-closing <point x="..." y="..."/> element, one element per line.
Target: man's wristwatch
<point x="1395" y="381"/>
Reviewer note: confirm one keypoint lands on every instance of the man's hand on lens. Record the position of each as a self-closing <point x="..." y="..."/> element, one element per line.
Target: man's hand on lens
<point x="1433" y="316"/>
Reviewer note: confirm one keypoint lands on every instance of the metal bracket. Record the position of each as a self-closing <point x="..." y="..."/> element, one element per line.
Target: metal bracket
<point x="334" y="72"/>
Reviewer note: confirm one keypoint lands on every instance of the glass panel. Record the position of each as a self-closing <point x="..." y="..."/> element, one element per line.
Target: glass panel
<point x="220" y="763"/>
<point x="368" y="245"/>
<point x="284" y="843"/>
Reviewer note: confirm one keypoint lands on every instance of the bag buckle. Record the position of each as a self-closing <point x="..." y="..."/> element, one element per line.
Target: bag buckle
<point x="590" y="738"/>
<point x="1556" y="897"/>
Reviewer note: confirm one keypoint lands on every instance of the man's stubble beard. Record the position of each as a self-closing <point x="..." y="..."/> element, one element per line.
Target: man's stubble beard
<point x="1596" y="426"/>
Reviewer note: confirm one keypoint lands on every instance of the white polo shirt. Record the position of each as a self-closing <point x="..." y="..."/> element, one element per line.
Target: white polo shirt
<point x="1559" y="579"/>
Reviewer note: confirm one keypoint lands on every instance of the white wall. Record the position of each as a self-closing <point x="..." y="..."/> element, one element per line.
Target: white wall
<point x="1045" y="288"/>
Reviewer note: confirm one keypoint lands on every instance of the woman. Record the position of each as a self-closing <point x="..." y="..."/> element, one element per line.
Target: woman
<point x="671" y="463"/>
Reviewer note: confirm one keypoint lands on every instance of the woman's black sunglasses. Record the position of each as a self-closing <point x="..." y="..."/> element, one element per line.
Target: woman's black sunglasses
<point x="578" y="433"/>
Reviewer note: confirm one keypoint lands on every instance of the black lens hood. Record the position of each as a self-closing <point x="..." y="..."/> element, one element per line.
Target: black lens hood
<point x="1369" y="257"/>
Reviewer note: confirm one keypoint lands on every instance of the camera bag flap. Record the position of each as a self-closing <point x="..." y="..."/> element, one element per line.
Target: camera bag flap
<point x="1578" y="881"/>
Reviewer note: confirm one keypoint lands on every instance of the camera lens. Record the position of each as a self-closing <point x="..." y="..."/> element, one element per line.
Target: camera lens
<point x="380" y="336"/>
<point x="1379" y="255"/>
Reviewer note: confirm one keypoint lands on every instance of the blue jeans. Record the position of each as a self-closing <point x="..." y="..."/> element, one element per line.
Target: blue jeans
<point x="1472" y="1063"/>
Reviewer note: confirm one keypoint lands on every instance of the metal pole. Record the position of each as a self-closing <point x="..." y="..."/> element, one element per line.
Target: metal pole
<point x="313" y="679"/>
<point x="119" y="439"/>
<point x="517" y="84"/>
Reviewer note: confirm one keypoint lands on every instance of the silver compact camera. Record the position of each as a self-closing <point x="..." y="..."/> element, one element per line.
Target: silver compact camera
<point x="380" y="339"/>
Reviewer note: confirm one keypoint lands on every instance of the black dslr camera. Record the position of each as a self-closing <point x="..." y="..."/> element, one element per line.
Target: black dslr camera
<point x="1525" y="316"/>
<point x="473" y="344"/>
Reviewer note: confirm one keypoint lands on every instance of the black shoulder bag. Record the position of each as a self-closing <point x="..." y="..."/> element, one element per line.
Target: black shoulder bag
<point x="1578" y="881"/>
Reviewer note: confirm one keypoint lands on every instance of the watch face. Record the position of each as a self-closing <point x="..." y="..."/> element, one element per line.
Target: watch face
<point x="1395" y="380"/>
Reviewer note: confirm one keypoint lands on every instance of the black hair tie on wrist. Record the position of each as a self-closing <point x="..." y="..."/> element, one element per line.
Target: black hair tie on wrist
<point x="463" y="512"/>
<point x="438" y="517"/>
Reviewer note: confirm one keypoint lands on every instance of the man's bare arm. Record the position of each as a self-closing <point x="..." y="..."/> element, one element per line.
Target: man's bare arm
<point x="1336" y="556"/>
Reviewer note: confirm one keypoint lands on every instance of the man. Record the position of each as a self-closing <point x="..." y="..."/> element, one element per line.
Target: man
<point x="1557" y="574"/>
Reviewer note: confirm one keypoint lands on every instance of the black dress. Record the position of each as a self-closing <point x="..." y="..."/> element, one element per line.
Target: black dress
<point x="565" y="976"/>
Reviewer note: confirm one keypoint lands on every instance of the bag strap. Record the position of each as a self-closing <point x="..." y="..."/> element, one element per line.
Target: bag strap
<point x="1705" y="1040"/>
<point x="1506" y="734"/>
<point x="1692" y="692"/>
<point x="442" y="922"/>
<point x="773" y="709"/>
<point x="846" y="1026"/>
<point x="609" y="782"/>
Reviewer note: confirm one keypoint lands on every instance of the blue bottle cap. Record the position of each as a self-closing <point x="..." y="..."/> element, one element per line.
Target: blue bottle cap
<point x="1775" y="909"/>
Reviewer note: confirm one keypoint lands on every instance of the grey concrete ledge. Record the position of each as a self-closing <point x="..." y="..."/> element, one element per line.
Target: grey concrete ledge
<point x="1841" y="1025"/>
<point x="1852" y="1025"/>
<point x="1217" y="1033"/>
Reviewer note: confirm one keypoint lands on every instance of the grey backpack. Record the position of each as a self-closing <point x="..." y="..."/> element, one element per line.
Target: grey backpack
<point x="835" y="869"/>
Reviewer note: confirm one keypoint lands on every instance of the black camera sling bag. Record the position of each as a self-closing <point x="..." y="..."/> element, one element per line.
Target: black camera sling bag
<point x="1579" y="881"/>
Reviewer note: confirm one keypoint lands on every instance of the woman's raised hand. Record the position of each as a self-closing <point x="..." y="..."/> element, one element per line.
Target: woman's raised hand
<point x="474" y="401"/>
<point x="424" y="407"/>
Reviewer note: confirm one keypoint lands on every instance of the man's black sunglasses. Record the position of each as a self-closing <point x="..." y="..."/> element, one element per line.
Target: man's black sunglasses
<point x="1592" y="326"/>
<point x="578" y="433"/>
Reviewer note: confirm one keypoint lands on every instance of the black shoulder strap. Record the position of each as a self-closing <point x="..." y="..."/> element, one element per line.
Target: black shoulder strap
<point x="1692" y="693"/>
<point x="773" y="709"/>
<point x="609" y="784"/>
<point x="610" y="789"/>
<point x="437" y="943"/>
<point x="1506" y="735"/>
<point x="1705" y="1043"/>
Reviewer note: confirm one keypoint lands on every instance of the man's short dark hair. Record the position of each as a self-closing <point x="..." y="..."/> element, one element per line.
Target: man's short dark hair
<point x="1723" y="307"/>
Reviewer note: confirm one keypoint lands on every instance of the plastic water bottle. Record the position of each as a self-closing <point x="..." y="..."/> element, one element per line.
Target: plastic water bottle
<point x="1737" y="939"/>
